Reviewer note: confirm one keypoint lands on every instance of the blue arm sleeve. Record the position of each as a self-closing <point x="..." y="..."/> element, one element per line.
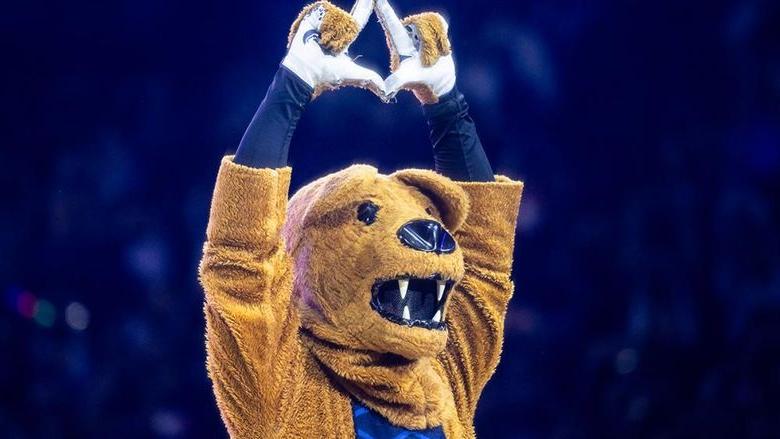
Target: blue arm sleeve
<point x="266" y="142"/>
<point x="457" y="150"/>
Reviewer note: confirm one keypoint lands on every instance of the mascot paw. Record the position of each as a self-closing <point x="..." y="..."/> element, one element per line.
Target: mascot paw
<point x="420" y="54"/>
<point x="318" y="43"/>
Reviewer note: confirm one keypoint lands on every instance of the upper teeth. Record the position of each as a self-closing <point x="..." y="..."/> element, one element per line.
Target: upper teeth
<point x="403" y="285"/>
<point x="403" y="288"/>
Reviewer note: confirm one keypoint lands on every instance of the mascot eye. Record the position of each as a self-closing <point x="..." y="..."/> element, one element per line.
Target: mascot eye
<point x="366" y="212"/>
<point x="429" y="211"/>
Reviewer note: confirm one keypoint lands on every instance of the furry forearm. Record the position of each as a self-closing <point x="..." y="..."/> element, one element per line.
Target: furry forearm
<point x="247" y="280"/>
<point x="477" y="312"/>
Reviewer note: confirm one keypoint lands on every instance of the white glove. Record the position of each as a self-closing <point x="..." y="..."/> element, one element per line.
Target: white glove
<point x="421" y="56"/>
<point x="317" y="49"/>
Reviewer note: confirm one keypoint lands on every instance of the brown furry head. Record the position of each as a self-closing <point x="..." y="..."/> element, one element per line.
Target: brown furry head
<point x="339" y="259"/>
<point x="338" y="29"/>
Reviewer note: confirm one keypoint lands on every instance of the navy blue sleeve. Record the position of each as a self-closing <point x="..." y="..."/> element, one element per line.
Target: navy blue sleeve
<point x="457" y="150"/>
<point x="266" y="141"/>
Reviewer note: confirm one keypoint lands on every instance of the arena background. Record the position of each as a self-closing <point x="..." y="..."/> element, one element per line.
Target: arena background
<point x="648" y="257"/>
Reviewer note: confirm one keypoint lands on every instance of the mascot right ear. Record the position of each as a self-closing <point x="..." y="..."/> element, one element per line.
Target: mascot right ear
<point x="449" y="198"/>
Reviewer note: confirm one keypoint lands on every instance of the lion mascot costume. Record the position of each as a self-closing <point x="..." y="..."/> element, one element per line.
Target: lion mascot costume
<point x="366" y="305"/>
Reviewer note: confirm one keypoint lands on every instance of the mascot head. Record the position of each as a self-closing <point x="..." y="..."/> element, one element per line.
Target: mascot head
<point x="375" y="258"/>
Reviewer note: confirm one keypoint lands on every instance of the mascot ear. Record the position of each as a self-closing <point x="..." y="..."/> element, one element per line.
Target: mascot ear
<point x="449" y="198"/>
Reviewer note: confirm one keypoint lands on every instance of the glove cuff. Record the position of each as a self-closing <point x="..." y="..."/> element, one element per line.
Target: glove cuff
<point x="449" y="106"/>
<point x="301" y="68"/>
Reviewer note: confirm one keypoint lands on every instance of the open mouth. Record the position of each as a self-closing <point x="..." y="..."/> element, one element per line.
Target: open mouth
<point x="412" y="301"/>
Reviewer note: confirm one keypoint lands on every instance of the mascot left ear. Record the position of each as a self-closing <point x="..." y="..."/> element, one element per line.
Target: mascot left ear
<point x="449" y="198"/>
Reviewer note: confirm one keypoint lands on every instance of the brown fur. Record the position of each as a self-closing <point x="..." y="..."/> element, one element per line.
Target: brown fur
<point x="290" y="333"/>
<point x="338" y="28"/>
<point x="337" y="32"/>
<point x="434" y="42"/>
<point x="433" y="36"/>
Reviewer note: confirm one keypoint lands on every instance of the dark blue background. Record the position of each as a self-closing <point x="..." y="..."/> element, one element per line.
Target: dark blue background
<point x="648" y="261"/>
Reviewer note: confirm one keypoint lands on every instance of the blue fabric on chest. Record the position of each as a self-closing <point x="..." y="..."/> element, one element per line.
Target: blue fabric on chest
<point x="371" y="425"/>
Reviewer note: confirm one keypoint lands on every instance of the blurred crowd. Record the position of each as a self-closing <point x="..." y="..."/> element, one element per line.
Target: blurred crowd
<point x="648" y="258"/>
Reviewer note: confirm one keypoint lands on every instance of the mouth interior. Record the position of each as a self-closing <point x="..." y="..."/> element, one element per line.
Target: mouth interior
<point x="412" y="301"/>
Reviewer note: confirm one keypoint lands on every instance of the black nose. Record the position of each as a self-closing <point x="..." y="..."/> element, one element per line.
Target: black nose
<point x="426" y="236"/>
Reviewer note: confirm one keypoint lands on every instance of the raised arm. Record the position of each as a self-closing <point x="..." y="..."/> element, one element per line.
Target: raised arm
<point x="457" y="150"/>
<point x="245" y="271"/>
<point x="422" y="62"/>
<point x="246" y="276"/>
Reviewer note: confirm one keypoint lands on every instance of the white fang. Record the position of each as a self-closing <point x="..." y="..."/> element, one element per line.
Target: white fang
<point x="407" y="314"/>
<point x="441" y="285"/>
<point x="403" y="285"/>
<point x="437" y="316"/>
